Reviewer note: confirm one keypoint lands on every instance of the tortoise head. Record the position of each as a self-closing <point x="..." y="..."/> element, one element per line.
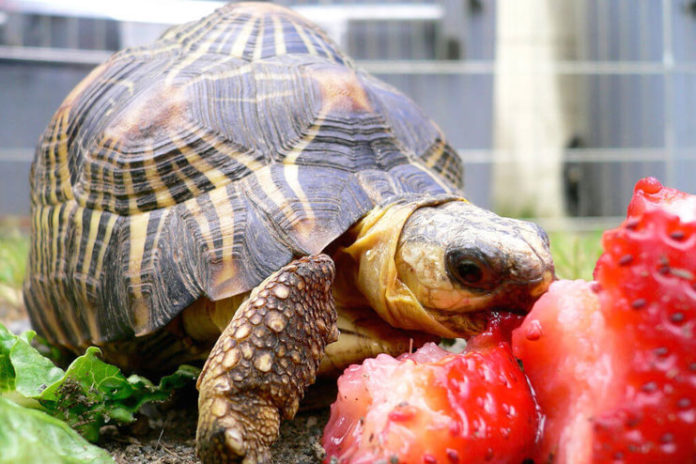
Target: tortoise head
<point x="442" y="267"/>
<point x="460" y="260"/>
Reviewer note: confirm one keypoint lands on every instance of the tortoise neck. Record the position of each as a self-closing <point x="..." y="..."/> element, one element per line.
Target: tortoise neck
<point x="367" y="274"/>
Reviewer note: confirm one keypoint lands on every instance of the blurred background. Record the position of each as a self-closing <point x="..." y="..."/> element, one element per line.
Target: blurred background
<point x="557" y="107"/>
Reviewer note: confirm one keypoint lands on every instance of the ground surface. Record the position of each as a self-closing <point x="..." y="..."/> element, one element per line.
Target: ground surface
<point x="167" y="437"/>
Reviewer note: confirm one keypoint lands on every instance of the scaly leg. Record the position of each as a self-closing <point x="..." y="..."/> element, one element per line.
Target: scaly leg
<point x="260" y="366"/>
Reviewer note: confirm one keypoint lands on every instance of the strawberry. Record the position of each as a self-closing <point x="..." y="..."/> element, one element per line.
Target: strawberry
<point x="613" y="363"/>
<point x="433" y="406"/>
<point x="571" y="361"/>
<point x="499" y="328"/>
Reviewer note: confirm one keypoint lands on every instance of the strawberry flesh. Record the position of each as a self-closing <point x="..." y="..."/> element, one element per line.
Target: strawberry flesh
<point x="613" y="362"/>
<point x="433" y="406"/>
<point x="570" y="359"/>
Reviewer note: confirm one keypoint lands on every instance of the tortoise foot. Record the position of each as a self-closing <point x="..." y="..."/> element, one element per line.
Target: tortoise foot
<point x="265" y="358"/>
<point x="237" y="431"/>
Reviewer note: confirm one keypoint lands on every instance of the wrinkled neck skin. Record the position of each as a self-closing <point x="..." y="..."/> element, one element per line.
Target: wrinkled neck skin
<point x="398" y="263"/>
<point x="368" y="276"/>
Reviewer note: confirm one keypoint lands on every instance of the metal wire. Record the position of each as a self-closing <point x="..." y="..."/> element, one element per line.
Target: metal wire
<point x="633" y="67"/>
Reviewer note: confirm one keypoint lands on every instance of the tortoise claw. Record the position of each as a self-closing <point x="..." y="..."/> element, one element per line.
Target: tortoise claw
<point x="237" y="434"/>
<point x="260" y="366"/>
<point x="235" y="442"/>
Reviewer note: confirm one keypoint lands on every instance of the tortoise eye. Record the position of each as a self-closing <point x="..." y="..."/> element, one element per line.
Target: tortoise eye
<point x="469" y="267"/>
<point x="469" y="272"/>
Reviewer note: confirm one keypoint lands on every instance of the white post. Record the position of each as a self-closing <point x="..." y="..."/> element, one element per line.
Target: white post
<point x="533" y="106"/>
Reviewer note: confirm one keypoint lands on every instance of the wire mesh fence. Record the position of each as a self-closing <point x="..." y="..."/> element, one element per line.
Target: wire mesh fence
<point x="631" y="69"/>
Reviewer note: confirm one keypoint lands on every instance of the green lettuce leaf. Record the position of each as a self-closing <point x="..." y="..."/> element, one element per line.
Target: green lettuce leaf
<point x="89" y="394"/>
<point x="30" y="436"/>
<point x="92" y="393"/>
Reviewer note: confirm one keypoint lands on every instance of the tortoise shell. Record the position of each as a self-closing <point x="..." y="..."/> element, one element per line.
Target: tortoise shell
<point x="200" y="164"/>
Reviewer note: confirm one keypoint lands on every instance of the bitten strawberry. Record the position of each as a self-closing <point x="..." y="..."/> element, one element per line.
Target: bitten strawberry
<point x="613" y="363"/>
<point x="433" y="407"/>
<point x="572" y="363"/>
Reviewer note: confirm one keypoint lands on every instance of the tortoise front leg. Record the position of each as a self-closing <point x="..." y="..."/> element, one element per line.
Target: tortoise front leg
<point x="260" y="366"/>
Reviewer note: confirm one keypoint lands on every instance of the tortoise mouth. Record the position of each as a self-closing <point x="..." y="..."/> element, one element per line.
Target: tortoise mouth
<point x="514" y="297"/>
<point x="471" y="323"/>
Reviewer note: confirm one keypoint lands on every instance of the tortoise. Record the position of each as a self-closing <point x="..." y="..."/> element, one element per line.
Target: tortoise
<point x="239" y="192"/>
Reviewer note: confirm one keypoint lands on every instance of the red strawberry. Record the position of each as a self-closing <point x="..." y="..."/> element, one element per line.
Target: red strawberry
<point x="433" y="407"/>
<point x="570" y="360"/>
<point x="613" y="363"/>
<point x="499" y="328"/>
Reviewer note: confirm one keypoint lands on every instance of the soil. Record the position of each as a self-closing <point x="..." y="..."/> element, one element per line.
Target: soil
<point x="166" y="435"/>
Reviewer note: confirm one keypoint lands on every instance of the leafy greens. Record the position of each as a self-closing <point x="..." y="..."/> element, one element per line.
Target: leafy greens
<point x="87" y="395"/>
